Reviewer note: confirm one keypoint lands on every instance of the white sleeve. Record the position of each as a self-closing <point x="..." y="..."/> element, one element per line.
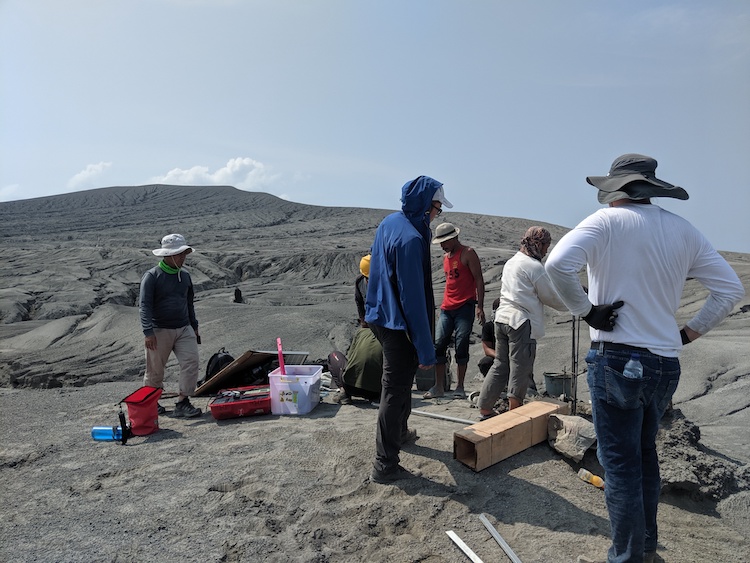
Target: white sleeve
<point x="547" y="293"/>
<point x="568" y="258"/>
<point x="724" y="287"/>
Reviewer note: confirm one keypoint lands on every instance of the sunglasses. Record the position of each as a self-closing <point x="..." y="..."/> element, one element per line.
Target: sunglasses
<point x="438" y="209"/>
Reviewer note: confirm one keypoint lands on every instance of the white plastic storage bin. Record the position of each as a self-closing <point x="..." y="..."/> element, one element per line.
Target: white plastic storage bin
<point x="297" y="391"/>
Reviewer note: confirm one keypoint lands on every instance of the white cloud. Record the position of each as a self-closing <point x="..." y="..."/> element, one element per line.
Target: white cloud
<point x="243" y="173"/>
<point x="7" y="192"/>
<point x="86" y="177"/>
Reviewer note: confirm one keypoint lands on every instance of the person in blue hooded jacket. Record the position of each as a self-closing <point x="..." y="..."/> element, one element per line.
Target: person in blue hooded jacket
<point x="400" y="310"/>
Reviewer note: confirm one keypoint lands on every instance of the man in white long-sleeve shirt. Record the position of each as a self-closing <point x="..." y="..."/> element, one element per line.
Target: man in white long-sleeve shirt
<point x="638" y="257"/>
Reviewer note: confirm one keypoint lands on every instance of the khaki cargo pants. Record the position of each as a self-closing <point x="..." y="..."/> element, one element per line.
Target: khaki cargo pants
<point x="183" y="343"/>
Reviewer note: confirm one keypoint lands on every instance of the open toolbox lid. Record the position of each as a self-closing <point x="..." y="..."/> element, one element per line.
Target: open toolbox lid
<point x="224" y="378"/>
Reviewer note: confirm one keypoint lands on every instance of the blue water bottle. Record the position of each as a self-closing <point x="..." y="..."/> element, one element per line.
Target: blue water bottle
<point x="107" y="433"/>
<point x="633" y="369"/>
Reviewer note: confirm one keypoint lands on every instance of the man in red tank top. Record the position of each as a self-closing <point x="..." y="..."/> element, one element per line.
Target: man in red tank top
<point x="463" y="299"/>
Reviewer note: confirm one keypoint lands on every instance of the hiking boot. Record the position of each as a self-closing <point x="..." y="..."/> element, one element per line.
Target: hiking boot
<point x="409" y="436"/>
<point x="184" y="409"/>
<point x="391" y="475"/>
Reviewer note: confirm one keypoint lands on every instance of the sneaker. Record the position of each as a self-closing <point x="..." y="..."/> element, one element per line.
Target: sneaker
<point x="409" y="437"/>
<point x="160" y="410"/>
<point x="395" y="474"/>
<point x="184" y="409"/>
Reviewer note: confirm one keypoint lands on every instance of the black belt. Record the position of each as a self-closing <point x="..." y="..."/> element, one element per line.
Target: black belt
<point x="618" y="347"/>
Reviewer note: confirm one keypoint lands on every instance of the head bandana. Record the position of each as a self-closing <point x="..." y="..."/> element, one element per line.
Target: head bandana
<point x="533" y="241"/>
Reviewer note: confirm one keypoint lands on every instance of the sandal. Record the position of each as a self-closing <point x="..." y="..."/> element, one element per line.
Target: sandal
<point x="484" y="417"/>
<point x="432" y="394"/>
<point x="459" y="393"/>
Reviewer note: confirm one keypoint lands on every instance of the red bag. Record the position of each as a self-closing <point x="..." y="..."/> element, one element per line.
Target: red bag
<point x="143" y="410"/>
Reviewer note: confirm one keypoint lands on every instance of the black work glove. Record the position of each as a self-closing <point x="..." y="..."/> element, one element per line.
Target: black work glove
<point x="602" y="317"/>
<point x="684" y="337"/>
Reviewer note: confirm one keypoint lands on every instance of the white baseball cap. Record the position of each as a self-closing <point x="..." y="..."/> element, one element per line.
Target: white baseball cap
<point x="440" y="196"/>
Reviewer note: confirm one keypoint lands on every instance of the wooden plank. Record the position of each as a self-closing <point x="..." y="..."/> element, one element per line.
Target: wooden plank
<point x="490" y="441"/>
<point x="472" y="447"/>
<point x="539" y="412"/>
<point x="512" y="437"/>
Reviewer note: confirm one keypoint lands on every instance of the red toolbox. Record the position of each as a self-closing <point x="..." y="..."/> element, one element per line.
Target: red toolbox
<point x="241" y="401"/>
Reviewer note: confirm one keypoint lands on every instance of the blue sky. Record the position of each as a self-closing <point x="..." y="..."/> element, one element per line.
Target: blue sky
<point x="339" y="102"/>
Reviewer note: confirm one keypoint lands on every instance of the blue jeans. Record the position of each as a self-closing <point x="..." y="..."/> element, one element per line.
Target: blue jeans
<point x="459" y="320"/>
<point x="626" y="418"/>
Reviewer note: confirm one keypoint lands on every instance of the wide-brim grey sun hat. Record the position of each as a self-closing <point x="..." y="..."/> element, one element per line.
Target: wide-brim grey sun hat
<point x="633" y="176"/>
<point x="445" y="231"/>
<point x="172" y="245"/>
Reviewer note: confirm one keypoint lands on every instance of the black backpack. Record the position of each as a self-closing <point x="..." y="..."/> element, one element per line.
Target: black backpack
<point x="217" y="362"/>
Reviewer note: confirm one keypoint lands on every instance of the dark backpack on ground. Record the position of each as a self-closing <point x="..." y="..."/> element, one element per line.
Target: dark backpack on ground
<point x="217" y="362"/>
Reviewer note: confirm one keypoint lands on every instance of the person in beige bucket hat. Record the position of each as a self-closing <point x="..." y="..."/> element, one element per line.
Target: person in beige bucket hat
<point x="463" y="299"/>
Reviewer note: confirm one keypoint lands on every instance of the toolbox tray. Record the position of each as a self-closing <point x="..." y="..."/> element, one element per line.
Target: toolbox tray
<point x="253" y="400"/>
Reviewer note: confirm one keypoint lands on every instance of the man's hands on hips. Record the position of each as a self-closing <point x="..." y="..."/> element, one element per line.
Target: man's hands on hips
<point x="603" y="317"/>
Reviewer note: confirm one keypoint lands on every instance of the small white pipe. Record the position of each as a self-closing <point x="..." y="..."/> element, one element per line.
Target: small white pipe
<point x="443" y="417"/>
<point x="463" y="547"/>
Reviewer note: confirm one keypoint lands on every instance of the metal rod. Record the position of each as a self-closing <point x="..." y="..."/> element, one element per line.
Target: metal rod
<point x="443" y="417"/>
<point x="463" y="547"/>
<point x="499" y="539"/>
<point x="574" y="364"/>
